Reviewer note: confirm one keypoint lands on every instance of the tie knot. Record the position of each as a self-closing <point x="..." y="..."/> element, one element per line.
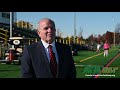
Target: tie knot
<point x="50" y="46"/>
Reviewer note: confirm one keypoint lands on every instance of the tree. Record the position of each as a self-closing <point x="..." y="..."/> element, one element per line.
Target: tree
<point x="90" y="39"/>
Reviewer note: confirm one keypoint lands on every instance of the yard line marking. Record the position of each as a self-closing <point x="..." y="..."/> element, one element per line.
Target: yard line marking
<point x="94" y="56"/>
<point x="81" y="65"/>
<point x="90" y="57"/>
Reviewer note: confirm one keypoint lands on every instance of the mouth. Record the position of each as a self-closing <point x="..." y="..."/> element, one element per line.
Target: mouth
<point x="50" y="35"/>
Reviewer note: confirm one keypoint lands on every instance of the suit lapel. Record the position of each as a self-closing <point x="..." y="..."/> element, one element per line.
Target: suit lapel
<point x="42" y="52"/>
<point x="60" y="58"/>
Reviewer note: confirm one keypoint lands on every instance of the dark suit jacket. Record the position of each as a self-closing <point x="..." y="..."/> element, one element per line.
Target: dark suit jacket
<point x="34" y="63"/>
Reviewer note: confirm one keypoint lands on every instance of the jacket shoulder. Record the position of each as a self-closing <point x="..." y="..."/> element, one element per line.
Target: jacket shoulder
<point x="63" y="45"/>
<point x="33" y="45"/>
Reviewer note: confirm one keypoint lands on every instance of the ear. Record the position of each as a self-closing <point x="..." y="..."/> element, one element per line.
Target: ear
<point x="38" y="32"/>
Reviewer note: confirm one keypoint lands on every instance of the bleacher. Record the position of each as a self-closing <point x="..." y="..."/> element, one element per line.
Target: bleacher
<point x="5" y="32"/>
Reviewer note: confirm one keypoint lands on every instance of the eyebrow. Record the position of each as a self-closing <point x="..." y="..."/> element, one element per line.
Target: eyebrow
<point x="47" y="27"/>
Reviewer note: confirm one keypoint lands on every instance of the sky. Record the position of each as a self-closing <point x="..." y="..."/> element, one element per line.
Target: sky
<point x="86" y="22"/>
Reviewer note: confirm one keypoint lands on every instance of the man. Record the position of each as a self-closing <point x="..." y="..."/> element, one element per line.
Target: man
<point x="37" y="61"/>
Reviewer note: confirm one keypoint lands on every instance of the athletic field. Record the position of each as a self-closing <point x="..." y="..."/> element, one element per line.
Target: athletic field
<point x="89" y="64"/>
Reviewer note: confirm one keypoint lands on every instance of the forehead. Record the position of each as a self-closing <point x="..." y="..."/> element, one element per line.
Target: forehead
<point x="45" y="22"/>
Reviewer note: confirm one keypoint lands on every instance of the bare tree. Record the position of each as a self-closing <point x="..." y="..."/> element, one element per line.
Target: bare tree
<point x="80" y="32"/>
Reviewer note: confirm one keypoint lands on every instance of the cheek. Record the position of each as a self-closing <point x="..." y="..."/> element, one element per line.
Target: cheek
<point x="53" y="32"/>
<point x="43" y="34"/>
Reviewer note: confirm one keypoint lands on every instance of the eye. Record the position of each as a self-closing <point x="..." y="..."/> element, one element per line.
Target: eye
<point x="52" y="27"/>
<point x="46" y="28"/>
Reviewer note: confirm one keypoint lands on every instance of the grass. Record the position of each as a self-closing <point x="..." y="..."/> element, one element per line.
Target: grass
<point x="100" y="61"/>
<point x="9" y="71"/>
<point x="13" y="71"/>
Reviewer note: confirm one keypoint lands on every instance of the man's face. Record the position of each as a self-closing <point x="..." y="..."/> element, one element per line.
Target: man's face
<point x="47" y="31"/>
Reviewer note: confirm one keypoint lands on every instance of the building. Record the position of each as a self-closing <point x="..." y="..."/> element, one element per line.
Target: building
<point x="24" y="25"/>
<point x="5" y="18"/>
<point x="19" y="28"/>
<point x="110" y="37"/>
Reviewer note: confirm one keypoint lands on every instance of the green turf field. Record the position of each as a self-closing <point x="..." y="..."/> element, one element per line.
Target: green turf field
<point x="87" y="63"/>
<point x="9" y="71"/>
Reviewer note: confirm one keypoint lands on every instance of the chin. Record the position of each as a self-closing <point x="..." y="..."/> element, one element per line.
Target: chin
<point x="50" y="40"/>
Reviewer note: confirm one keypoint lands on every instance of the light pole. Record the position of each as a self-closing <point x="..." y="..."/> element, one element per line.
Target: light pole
<point x="114" y="33"/>
<point x="74" y="26"/>
<point x="10" y="24"/>
<point x="114" y="38"/>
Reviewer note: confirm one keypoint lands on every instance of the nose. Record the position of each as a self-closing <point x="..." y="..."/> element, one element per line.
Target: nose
<point x="51" y="29"/>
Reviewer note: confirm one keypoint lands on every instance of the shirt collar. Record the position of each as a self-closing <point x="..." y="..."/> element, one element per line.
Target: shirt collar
<point x="46" y="44"/>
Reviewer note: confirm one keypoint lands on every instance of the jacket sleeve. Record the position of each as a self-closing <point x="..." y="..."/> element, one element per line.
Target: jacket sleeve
<point x="26" y="64"/>
<point x="72" y="69"/>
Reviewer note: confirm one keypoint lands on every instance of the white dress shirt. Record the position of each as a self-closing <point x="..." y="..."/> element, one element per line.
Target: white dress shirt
<point x="47" y="51"/>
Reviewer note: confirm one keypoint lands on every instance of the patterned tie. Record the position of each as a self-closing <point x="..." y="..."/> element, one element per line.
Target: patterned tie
<point x="53" y="63"/>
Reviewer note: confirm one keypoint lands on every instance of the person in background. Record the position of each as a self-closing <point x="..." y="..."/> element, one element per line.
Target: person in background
<point x="106" y="48"/>
<point x="98" y="47"/>
<point x="47" y="58"/>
